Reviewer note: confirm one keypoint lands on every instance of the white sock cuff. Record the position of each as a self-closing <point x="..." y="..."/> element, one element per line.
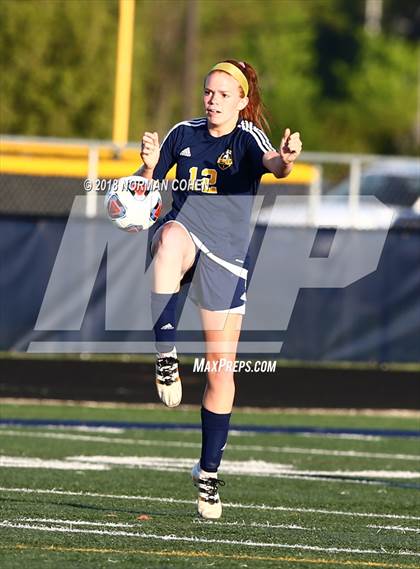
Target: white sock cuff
<point x="205" y="474"/>
<point x="171" y="354"/>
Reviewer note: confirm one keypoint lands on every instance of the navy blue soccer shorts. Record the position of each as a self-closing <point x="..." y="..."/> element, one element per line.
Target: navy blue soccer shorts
<point x="216" y="284"/>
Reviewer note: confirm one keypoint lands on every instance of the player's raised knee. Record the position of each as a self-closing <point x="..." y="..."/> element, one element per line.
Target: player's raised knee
<point x="172" y="238"/>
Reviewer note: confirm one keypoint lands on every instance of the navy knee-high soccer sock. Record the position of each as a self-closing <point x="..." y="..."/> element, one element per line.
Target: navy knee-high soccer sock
<point x="215" y="428"/>
<point x="165" y="320"/>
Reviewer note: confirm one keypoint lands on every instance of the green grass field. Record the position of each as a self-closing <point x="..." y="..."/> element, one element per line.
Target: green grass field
<point x="99" y="497"/>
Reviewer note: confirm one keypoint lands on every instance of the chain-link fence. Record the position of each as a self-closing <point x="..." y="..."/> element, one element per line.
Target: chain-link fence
<point x="38" y="195"/>
<point x="43" y="176"/>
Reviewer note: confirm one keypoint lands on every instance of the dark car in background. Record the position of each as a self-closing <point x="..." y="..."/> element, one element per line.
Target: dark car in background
<point x="391" y="183"/>
<point x="395" y="183"/>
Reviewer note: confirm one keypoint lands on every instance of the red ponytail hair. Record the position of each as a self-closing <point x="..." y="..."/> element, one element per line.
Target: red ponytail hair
<point x="255" y="110"/>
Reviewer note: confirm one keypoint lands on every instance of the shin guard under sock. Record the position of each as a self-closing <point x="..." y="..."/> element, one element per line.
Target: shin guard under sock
<point x="215" y="428"/>
<point x="164" y="317"/>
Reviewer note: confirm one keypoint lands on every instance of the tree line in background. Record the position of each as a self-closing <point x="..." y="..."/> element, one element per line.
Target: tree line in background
<point x="321" y="71"/>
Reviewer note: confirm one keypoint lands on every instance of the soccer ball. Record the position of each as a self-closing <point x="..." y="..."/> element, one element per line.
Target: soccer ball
<point x="132" y="204"/>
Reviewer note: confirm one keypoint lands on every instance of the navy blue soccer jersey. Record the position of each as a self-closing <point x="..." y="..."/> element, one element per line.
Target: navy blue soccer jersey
<point x="216" y="181"/>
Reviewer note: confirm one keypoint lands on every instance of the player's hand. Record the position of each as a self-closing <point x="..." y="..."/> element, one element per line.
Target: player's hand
<point x="290" y="146"/>
<point x="149" y="149"/>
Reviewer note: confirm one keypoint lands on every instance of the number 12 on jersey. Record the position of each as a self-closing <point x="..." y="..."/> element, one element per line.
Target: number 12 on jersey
<point x="207" y="182"/>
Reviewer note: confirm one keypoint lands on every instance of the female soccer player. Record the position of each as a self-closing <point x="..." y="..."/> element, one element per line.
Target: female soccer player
<point x="204" y="239"/>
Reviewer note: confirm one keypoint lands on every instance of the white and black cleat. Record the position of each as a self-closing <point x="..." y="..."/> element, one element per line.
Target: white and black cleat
<point x="209" y="505"/>
<point x="168" y="382"/>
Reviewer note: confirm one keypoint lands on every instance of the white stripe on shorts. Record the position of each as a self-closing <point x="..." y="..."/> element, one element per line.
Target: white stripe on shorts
<point x="234" y="269"/>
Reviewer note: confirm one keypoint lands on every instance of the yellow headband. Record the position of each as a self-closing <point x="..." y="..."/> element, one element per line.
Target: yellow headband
<point x="235" y="72"/>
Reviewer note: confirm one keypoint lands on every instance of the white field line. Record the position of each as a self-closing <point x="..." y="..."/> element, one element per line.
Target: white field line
<point x="244" y="524"/>
<point x="236" y="431"/>
<point x="81" y="523"/>
<point x="71" y="428"/>
<point x="50" y="464"/>
<point x="239" y="467"/>
<point x="349" y="453"/>
<point x="88" y="429"/>
<point x="350" y="436"/>
<point x="395" y="528"/>
<point x="236" y="447"/>
<point x="142" y="535"/>
<point x="253" y="525"/>
<point x="53" y="464"/>
<point x="235" y="467"/>
<point x="100" y="439"/>
<point x="170" y="500"/>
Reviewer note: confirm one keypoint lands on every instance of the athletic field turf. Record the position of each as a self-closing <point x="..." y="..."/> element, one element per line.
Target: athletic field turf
<point x="104" y="486"/>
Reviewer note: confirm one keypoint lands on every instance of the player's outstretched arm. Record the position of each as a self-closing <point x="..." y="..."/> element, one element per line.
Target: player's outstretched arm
<point x="281" y="163"/>
<point x="149" y="153"/>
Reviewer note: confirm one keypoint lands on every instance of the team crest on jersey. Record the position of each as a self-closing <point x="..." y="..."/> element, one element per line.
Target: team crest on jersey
<point x="225" y="160"/>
